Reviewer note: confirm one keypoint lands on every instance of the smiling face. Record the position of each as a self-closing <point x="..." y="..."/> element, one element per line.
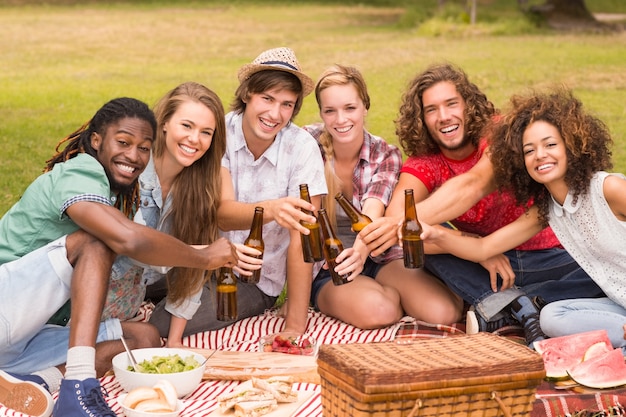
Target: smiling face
<point x="265" y="115"/>
<point x="342" y="112"/>
<point x="444" y="117"/>
<point x="545" y="155"/>
<point x="188" y="133"/>
<point x="124" y="151"/>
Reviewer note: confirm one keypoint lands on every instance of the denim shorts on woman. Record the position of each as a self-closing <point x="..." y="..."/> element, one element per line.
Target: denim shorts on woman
<point x="370" y="269"/>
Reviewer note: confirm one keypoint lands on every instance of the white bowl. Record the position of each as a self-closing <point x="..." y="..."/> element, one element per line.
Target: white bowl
<point x="184" y="382"/>
<point x="129" y="412"/>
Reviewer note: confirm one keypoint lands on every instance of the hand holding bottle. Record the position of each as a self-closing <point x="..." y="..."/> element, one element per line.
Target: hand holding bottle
<point x="287" y="212"/>
<point x="249" y="260"/>
<point x="380" y="235"/>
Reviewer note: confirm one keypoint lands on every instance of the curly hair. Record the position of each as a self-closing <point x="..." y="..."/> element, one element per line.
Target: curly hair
<point x="587" y="142"/>
<point x="410" y="125"/>
<point x="196" y="191"/>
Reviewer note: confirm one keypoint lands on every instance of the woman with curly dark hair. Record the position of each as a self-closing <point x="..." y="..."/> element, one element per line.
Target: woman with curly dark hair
<point x="441" y="126"/>
<point x="550" y="150"/>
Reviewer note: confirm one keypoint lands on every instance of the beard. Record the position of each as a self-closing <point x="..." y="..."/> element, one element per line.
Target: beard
<point x="121" y="188"/>
<point x="462" y="144"/>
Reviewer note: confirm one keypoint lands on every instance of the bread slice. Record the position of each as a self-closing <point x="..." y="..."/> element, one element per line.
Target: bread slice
<point x="281" y="388"/>
<point x="255" y="408"/>
<point x="228" y="401"/>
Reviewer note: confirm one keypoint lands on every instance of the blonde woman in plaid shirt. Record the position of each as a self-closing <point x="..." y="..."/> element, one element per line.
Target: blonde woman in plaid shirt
<point x="365" y="169"/>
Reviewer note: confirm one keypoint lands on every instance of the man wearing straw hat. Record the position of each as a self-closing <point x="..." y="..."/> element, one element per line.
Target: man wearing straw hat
<point x="267" y="158"/>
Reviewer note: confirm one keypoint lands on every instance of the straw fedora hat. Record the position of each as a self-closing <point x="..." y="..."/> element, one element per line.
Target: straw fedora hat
<point x="279" y="59"/>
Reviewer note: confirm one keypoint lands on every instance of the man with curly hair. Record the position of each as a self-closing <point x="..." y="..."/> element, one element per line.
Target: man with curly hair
<point x="440" y="125"/>
<point x="551" y="150"/>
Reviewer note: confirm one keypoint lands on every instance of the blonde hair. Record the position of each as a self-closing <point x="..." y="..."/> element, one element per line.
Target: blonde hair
<point x="336" y="75"/>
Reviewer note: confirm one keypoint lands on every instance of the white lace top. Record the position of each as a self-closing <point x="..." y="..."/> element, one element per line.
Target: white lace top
<point x="594" y="237"/>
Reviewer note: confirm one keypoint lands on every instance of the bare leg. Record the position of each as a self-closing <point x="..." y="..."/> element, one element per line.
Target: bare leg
<point x="363" y="303"/>
<point x="422" y="295"/>
<point x="92" y="261"/>
<point x="137" y="335"/>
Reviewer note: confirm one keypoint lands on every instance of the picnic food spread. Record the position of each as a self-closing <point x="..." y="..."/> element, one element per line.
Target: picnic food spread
<point x="161" y="398"/>
<point x="259" y="399"/>
<point x="166" y="364"/>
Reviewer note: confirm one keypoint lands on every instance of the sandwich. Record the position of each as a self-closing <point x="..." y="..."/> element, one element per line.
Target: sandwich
<point x="255" y="408"/>
<point x="281" y="388"/>
<point x="229" y="400"/>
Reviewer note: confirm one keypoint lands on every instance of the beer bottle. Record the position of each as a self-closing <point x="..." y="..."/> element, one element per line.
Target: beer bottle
<point x="255" y="240"/>
<point x="412" y="244"/>
<point x="332" y="247"/>
<point x="311" y="243"/>
<point x="358" y="219"/>
<point x="226" y="295"/>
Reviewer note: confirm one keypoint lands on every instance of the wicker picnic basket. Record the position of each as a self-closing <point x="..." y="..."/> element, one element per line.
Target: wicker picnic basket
<point x="482" y="375"/>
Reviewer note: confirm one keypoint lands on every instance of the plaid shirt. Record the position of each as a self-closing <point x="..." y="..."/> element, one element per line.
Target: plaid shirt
<point x="376" y="173"/>
<point x="374" y="176"/>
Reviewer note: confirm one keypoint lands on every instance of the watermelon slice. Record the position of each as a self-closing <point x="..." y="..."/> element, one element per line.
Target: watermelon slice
<point x="562" y="353"/>
<point x="595" y="350"/>
<point x="606" y="371"/>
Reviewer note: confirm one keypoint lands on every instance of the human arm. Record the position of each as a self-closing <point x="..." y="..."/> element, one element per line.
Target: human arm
<point x="614" y="188"/>
<point x="149" y="246"/>
<point x="458" y="194"/>
<point x="237" y="215"/>
<point x="299" y="280"/>
<point x="379" y="235"/>
<point x="175" y="334"/>
<point x="451" y="200"/>
<point x="479" y="250"/>
<point x="247" y="262"/>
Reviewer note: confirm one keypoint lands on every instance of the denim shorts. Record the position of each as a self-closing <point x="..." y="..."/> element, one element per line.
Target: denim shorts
<point x="370" y="269"/>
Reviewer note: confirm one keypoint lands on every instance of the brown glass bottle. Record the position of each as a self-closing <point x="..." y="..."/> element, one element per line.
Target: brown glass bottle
<point x="255" y="240"/>
<point x="332" y="247"/>
<point x="358" y="219"/>
<point x="412" y="244"/>
<point x="311" y="243"/>
<point x="226" y="290"/>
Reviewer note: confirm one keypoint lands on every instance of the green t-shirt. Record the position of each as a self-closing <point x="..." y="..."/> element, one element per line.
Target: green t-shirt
<point x="39" y="216"/>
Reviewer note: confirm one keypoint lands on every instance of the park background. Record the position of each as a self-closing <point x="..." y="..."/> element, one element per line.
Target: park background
<point x="61" y="60"/>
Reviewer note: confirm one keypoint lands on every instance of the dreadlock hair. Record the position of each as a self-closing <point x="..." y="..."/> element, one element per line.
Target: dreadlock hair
<point x="266" y="80"/>
<point x="80" y="141"/>
<point x="411" y="129"/>
<point x="336" y="75"/>
<point x="587" y="145"/>
<point x="196" y="191"/>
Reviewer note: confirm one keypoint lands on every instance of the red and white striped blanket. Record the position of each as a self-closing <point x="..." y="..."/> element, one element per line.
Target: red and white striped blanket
<point x="244" y="336"/>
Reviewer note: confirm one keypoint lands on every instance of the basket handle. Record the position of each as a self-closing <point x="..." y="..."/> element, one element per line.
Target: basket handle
<point x="494" y="396"/>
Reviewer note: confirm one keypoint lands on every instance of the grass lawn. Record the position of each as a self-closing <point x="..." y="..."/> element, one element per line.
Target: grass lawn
<point x="61" y="63"/>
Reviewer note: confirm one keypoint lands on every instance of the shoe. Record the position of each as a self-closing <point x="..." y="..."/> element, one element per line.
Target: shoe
<point x="82" y="399"/>
<point x="25" y="393"/>
<point x="475" y="323"/>
<point x="526" y="311"/>
<point x="539" y="302"/>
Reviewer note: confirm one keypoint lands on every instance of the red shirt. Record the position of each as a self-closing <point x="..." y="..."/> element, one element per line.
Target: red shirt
<point x="489" y="214"/>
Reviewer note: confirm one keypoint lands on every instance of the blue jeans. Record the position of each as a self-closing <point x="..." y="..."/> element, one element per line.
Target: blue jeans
<point x="551" y="273"/>
<point x="567" y="317"/>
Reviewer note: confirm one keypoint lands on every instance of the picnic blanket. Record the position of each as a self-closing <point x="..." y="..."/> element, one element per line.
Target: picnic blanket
<point x="243" y="336"/>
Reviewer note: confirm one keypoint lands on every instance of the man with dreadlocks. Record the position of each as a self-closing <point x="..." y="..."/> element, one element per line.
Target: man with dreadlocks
<point x="58" y="243"/>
